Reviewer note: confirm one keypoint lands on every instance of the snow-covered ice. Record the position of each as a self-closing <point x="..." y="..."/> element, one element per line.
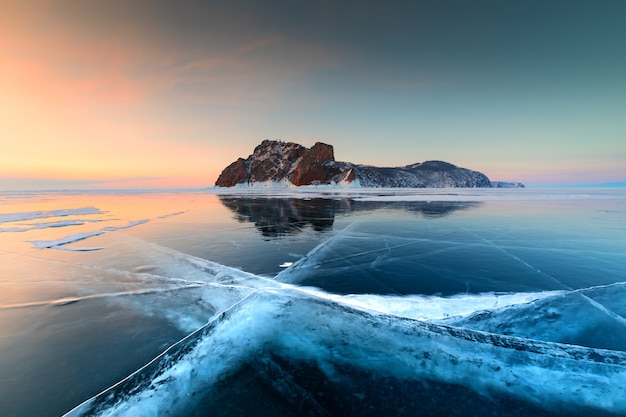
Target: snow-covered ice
<point x="127" y="226"/>
<point x="31" y="215"/>
<point x="57" y="243"/>
<point x="293" y="326"/>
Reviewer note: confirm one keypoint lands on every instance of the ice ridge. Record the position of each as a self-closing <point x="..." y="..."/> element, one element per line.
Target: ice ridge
<point x="278" y="324"/>
<point x="278" y="328"/>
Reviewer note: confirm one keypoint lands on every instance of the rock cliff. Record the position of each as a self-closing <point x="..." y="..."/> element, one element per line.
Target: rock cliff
<point x="288" y="161"/>
<point x="278" y="161"/>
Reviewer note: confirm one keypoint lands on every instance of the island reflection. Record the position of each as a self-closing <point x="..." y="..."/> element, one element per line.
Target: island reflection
<point x="275" y="217"/>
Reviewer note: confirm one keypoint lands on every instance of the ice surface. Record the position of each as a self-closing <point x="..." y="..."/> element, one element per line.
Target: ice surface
<point x="433" y="308"/>
<point x="31" y="215"/>
<point x="129" y="225"/>
<point x="57" y="243"/>
<point x="185" y="290"/>
<point x="576" y="317"/>
<point x="60" y="243"/>
<point x="47" y="225"/>
<point x="279" y="329"/>
<point x="358" y="193"/>
<point x="14" y="229"/>
<point x="364" y="258"/>
<point x="176" y="213"/>
<point x="403" y="306"/>
<point x="64" y="223"/>
<point x="292" y="326"/>
<point x="44" y="225"/>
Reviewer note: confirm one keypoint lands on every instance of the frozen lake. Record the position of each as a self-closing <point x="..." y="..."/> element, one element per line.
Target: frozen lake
<point x="316" y="302"/>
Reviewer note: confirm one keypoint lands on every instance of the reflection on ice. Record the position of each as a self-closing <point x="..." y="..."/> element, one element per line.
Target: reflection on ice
<point x="280" y="216"/>
<point x="276" y="217"/>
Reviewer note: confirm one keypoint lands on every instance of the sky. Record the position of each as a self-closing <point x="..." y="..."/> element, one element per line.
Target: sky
<point x="118" y="93"/>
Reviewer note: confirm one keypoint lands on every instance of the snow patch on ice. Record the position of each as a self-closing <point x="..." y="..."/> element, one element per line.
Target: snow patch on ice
<point x="64" y="223"/>
<point x="165" y="216"/>
<point x="14" y="229"/>
<point x="32" y="215"/>
<point x="432" y="308"/>
<point x="56" y="243"/>
<point x="286" y="186"/>
<point x="334" y="336"/>
<point x="44" y="225"/>
<point x="75" y="249"/>
<point x="127" y="226"/>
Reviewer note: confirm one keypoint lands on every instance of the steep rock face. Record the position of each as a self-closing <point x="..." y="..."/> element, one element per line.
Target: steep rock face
<point x="277" y="161"/>
<point x="233" y="174"/>
<point x="280" y="161"/>
<point x="317" y="164"/>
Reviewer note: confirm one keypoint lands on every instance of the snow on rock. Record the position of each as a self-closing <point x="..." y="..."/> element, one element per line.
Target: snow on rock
<point x="288" y="162"/>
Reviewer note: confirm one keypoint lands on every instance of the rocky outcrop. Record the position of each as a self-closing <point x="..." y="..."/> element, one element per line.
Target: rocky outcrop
<point x="288" y="161"/>
<point x="235" y="173"/>
<point x="278" y="161"/>
<point x="429" y="174"/>
<point x="316" y="164"/>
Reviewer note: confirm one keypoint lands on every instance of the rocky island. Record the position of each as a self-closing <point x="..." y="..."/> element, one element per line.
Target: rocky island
<point x="290" y="162"/>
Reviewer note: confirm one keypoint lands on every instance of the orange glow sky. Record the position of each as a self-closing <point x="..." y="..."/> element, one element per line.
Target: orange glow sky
<point x="143" y="93"/>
